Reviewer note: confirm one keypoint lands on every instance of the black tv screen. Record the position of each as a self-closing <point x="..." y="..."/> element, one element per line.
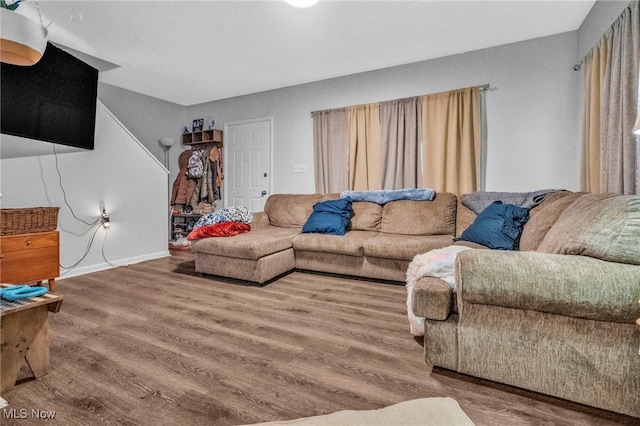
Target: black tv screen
<point x="53" y="100"/>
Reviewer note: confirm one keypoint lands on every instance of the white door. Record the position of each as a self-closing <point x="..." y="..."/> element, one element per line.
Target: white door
<point x="248" y="163"/>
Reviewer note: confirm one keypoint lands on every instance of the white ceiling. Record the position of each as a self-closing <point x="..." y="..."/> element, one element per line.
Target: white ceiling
<point x="189" y="52"/>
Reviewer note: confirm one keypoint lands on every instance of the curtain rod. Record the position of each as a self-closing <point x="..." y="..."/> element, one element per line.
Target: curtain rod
<point x="486" y="86"/>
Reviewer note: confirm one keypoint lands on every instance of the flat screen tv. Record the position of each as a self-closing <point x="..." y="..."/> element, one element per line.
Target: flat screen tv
<point x="53" y="100"/>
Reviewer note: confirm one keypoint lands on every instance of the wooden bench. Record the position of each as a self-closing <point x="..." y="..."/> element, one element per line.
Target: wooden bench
<point x="25" y="336"/>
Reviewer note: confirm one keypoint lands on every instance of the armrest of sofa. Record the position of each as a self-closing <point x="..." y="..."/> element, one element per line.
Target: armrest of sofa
<point x="432" y="299"/>
<point x="260" y="220"/>
<point x="574" y="286"/>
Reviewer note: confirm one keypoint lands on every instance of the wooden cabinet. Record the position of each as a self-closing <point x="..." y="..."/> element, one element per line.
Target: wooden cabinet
<point x="203" y="136"/>
<point x="29" y="258"/>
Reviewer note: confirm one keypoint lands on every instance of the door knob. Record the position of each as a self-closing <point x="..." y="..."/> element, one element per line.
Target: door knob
<point x="263" y="193"/>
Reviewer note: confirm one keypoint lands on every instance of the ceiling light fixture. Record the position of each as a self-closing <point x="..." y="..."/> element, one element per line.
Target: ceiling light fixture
<point x="302" y="3"/>
<point x="22" y="40"/>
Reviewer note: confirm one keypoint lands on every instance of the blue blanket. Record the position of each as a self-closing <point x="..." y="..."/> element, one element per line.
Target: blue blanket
<point x="383" y="196"/>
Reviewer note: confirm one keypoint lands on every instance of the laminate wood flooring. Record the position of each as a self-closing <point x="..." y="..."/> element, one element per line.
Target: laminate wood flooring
<point x="157" y="344"/>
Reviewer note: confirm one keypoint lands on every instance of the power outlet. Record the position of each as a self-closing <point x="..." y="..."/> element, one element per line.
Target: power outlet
<point x="299" y="168"/>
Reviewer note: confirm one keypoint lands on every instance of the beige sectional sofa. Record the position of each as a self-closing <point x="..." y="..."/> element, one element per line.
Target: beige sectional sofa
<point x="381" y="243"/>
<point x="556" y="317"/>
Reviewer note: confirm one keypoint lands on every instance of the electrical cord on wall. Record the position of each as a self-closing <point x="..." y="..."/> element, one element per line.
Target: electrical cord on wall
<point x="64" y="193"/>
<point x="97" y="224"/>
<point x="88" y="249"/>
<point x="86" y="252"/>
<point x="103" y="255"/>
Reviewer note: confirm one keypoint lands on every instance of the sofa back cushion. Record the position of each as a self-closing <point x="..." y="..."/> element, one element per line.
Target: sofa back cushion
<point x="544" y="216"/>
<point x="437" y="217"/>
<point x="464" y="218"/>
<point x="366" y="215"/>
<point x="541" y="218"/>
<point x="604" y="226"/>
<point x="290" y="210"/>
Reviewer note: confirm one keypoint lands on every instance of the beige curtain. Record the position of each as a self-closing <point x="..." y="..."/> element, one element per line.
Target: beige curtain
<point x="364" y="147"/>
<point x="595" y="64"/>
<point x="611" y="82"/>
<point x="452" y="141"/>
<point x="401" y="133"/>
<point x="331" y="150"/>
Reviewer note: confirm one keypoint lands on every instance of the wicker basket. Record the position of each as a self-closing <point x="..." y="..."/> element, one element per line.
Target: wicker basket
<point x="26" y="220"/>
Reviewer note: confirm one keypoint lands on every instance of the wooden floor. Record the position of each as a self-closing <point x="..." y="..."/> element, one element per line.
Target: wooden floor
<point x="156" y="344"/>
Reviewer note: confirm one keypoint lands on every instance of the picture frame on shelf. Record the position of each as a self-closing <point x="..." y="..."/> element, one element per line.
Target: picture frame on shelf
<point x="198" y="125"/>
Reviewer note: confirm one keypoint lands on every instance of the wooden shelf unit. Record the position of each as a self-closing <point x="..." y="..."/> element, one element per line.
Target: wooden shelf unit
<point x="202" y="137"/>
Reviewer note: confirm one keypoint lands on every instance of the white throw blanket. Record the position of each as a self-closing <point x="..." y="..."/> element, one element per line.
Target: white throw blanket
<point x="439" y="263"/>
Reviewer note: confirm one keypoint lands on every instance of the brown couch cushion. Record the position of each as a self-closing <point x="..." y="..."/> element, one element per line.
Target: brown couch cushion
<point x="366" y="215"/>
<point x="404" y="247"/>
<point x="350" y="244"/>
<point x="604" y="226"/>
<point x="290" y="210"/>
<point x="408" y="217"/>
<point x="464" y="218"/>
<point x="543" y="217"/>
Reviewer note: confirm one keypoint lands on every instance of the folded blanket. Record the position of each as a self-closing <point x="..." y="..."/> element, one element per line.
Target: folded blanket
<point x="19" y="292"/>
<point x="228" y="214"/>
<point x="479" y="200"/>
<point x="383" y="196"/>
<point x="439" y="263"/>
<point x="222" y="229"/>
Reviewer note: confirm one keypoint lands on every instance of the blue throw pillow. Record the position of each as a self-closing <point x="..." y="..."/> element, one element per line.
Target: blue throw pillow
<point x="499" y="226"/>
<point x="329" y="217"/>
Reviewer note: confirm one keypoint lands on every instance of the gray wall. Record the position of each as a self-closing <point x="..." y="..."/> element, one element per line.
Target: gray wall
<point x="533" y="123"/>
<point x="534" y="110"/>
<point x="149" y="119"/>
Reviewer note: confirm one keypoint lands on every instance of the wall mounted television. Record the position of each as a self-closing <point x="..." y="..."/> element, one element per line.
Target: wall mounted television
<point x="53" y="100"/>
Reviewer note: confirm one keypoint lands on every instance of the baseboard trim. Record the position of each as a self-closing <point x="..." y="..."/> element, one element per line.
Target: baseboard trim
<point x="113" y="264"/>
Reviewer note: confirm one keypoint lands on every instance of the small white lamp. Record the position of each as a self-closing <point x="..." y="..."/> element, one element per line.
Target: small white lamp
<point x="166" y="144"/>
<point x="636" y="127"/>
